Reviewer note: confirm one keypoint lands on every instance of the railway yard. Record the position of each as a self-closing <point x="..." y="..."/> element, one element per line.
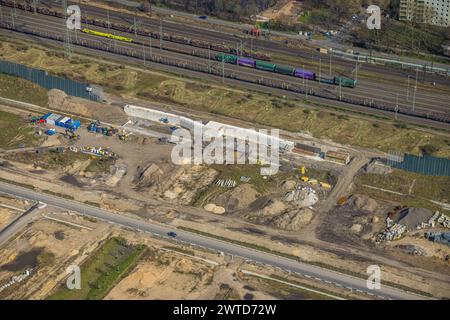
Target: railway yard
<point x="106" y="196"/>
<point x="383" y="88"/>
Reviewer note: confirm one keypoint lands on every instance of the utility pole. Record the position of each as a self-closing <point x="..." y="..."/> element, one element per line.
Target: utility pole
<point x="209" y="59"/>
<point x="356" y="70"/>
<point x="331" y="53"/>
<point x="34" y="6"/>
<point x="304" y="84"/>
<point x="160" y="34"/>
<point x="320" y="69"/>
<point x="151" y="53"/>
<point x="407" y="89"/>
<point x="415" y="91"/>
<point x="223" y="69"/>
<point x="396" y="108"/>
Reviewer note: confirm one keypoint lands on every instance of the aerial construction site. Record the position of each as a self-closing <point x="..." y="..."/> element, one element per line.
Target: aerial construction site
<point x="169" y="155"/>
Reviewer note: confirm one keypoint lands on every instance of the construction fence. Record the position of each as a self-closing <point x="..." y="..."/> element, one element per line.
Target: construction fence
<point x="43" y="79"/>
<point x="428" y="165"/>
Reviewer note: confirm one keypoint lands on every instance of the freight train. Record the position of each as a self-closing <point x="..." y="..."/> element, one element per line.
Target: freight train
<point x="139" y="31"/>
<point x="106" y="35"/>
<point x="286" y="70"/>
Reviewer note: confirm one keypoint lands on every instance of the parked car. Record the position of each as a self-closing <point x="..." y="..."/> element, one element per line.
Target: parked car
<point x="172" y="234"/>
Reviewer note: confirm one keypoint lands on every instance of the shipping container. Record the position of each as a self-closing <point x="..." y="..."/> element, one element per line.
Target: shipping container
<point x="307" y="148"/>
<point x="300" y="73"/>
<point x="265" y="65"/>
<point x="44" y="117"/>
<point x="246" y="62"/>
<point x="53" y="118"/>
<point x="61" y="122"/>
<point x="284" y="70"/>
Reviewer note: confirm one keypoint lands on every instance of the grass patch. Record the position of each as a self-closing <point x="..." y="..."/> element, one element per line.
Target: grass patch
<point x="103" y="270"/>
<point x="57" y="194"/>
<point x="99" y="165"/>
<point x="16" y="88"/>
<point x="15" y="131"/>
<point x="49" y="160"/>
<point x="23" y="185"/>
<point x="422" y="187"/>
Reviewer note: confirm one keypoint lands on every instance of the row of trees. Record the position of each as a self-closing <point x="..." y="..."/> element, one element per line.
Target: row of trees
<point x="230" y="9"/>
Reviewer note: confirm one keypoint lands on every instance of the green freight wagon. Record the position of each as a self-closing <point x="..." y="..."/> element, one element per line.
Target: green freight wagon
<point x="228" y="58"/>
<point x="284" y="70"/>
<point x="261" y="65"/>
<point x="345" y="82"/>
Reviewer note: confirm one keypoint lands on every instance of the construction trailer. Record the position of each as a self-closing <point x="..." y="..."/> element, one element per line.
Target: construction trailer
<point x="306" y="149"/>
<point x="338" y="156"/>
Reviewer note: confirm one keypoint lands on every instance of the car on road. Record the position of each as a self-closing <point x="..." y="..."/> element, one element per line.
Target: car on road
<point x="172" y="234"/>
<point x="203" y="17"/>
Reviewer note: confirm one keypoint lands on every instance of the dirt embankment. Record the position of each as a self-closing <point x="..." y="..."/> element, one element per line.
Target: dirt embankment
<point x="58" y="100"/>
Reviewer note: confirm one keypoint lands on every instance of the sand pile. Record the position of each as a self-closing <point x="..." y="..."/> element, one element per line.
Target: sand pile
<point x="211" y="207"/>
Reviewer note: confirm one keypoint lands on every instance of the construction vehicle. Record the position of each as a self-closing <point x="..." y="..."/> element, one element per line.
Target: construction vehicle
<point x="313" y="182"/>
<point x="325" y="185"/>
<point x="303" y="170"/>
<point x="304" y="179"/>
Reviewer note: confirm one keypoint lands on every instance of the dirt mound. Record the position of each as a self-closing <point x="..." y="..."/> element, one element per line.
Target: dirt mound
<point x="303" y="196"/>
<point x="149" y="176"/>
<point x="288" y="184"/>
<point x="238" y="198"/>
<point x="363" y="203"/>
<point x="292" y="220"/>
<point x="273" y="207"/>
<point x="59" y="100"/>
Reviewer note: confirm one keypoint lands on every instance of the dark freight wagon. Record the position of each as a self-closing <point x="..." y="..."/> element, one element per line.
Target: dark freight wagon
<point x="226" y="57"/>
<point x="284" y="70"/>
<point x="261" y="65"/>
<point x="345" y="82"/>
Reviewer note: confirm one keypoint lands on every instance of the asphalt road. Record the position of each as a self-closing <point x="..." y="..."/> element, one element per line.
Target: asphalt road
<point x="310" y="271"/>
<point x="17" y="224"/>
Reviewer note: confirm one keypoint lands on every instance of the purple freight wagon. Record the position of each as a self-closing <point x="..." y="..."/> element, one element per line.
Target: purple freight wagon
<point x="300" y="73"/>
<point x="246" y="62"/>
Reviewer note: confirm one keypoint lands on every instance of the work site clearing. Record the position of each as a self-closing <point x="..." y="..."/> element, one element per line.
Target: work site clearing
<point x="330" y="204"/>
<point x="101" y="170"/>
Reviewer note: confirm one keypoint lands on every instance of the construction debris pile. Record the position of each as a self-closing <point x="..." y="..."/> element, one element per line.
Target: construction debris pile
<point x="96" y="151"/>
<point x="392" y="232"/>
<point x="16" y="279"/>
<point x="440" y="237"/>
<point x="304" y="196"/>
<point x="431" y="223"/>
<point x="226" y="183"/>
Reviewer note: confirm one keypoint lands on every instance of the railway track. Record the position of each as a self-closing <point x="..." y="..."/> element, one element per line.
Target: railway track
<point x="369" y="94"/>
<point x="122" y="57"/>
<point x="129" y="52"/>
<point x="194" y="32"/>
